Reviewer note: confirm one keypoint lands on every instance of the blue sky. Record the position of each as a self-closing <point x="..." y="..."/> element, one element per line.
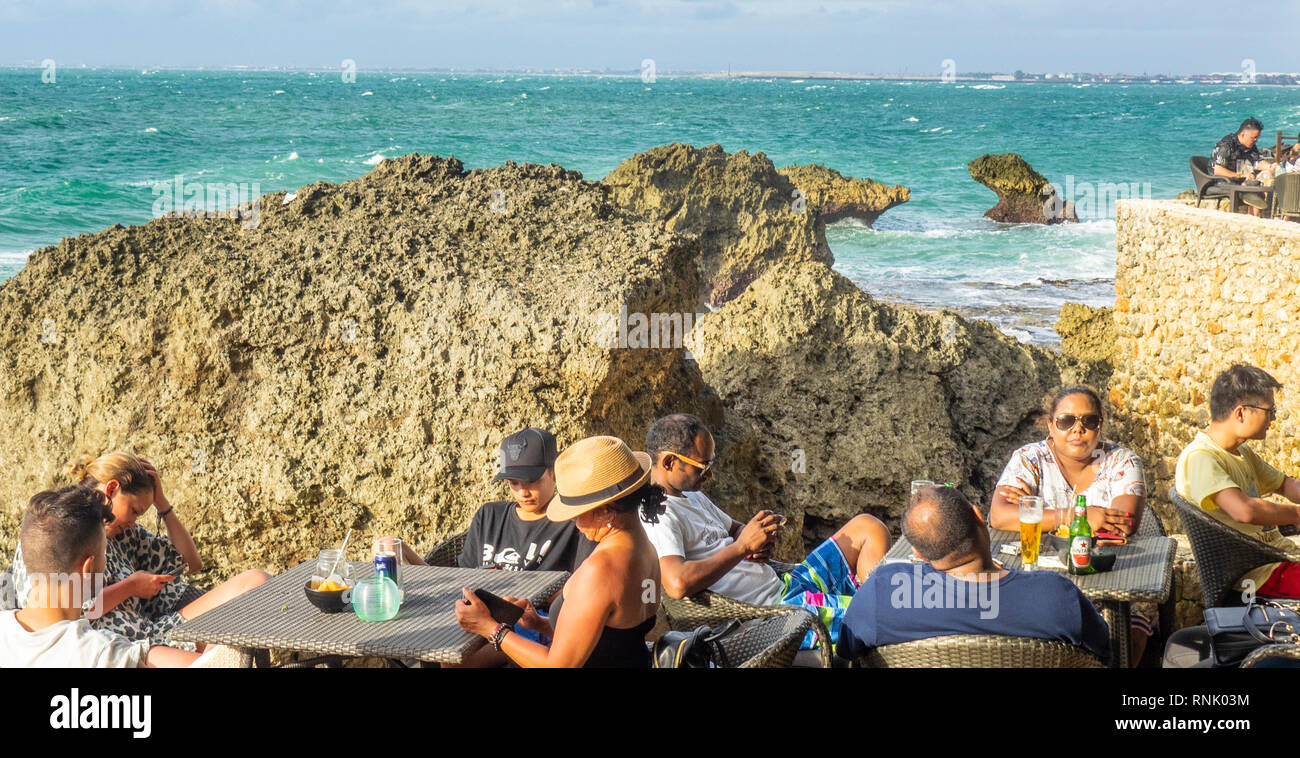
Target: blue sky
<point x="872" y="36"/>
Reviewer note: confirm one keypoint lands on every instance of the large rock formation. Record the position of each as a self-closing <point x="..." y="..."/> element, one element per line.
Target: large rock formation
<point x="745" y="213"/>
<point x="351" y="362"/>
<point x="847" y="400"/>
<point x="1024" y="195"/>
<point x="1088" y="340"/>
<point x="834" y="196"/>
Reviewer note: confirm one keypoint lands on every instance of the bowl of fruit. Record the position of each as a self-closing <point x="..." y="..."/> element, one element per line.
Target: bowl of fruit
<point x="329" y="596"/>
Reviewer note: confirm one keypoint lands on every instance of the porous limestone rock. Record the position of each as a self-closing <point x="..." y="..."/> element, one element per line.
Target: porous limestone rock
<point x="1024" y="195"/>
<point x="835" y="196"/>
<point x="844" y="401"/>
<point x="353" y="361"/>
<point x="745" y="214"/>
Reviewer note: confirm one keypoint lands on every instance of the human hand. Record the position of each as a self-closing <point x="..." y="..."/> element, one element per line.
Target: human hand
<point x="146" y="585"/>
<point x="473" y="616"/>
<point x="762" y="556"/>
<point x="1110" y="520"/>
<point x="531" y="618"/>
<point x="1013" y="494"/>
<point x="756" y="534"/>
<point x="159" y="499"/>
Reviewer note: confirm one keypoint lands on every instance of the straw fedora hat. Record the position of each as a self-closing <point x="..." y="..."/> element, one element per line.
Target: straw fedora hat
<point x="595" y="471"/>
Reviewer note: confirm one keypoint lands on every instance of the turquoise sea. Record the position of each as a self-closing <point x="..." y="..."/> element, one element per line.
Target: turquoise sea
<point x="86" y="151"/>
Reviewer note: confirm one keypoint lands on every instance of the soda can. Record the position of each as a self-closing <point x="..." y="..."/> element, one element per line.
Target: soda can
<point x="386" y="565"/>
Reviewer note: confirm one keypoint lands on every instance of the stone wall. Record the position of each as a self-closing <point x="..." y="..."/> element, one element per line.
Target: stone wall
<point x="1196" y="291"/>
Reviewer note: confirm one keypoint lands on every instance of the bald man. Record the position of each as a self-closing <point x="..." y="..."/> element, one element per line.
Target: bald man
<point x="958" y="589"/>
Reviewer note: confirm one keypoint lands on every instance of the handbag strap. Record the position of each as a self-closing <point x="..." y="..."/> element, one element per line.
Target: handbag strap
<point x="1280" y="628"/>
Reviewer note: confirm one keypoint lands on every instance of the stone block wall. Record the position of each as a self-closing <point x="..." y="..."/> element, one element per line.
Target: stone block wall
<point x="1198" y="290"/>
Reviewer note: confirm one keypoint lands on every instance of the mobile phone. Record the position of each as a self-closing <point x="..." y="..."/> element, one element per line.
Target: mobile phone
<point x="1111" y="538"/>
<point x="502" y="610"/>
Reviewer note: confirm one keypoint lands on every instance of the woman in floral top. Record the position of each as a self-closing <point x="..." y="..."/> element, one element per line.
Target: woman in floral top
<point x="1074" y="460"/>
<point x="143" y="589"/>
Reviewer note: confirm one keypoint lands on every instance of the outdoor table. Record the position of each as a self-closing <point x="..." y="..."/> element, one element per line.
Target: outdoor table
<point x="1235" y="191"/>
<point x="278" y="614"/>
<point x="1143" y="573"/>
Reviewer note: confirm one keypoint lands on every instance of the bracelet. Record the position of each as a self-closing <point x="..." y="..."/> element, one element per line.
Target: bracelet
<point x="499" y="634"/>
<point x="168" y="513"/>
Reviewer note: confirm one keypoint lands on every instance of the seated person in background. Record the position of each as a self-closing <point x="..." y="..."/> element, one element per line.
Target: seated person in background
<point x="516" y="535"/>
<point x="701" y="547"/>
<point x="1223" y="476"/>
<point x="1290" y="162"/>
<point x="142" y="599"/>
<point x="1074" y="460"/>
<point x="609" y="604"/>
<point x="63" y="532"/>
<point x="946" y="531"/>
<point x="1230" y="151"/>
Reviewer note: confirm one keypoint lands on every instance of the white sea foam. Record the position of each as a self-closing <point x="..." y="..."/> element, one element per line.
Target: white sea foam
<point x="931" y="131"/>
<point x="151" y="130"/>
<point x="543" y="89"/>
<point x="989" y="86"/>
<point x="292" y="156"/>
<point x="814" y="86"/>
<point x="796" y="81"/>
<point x="367" y="93"/>
<point x="278" y="92"/>
<point x="374" y="160"/>
<point x="913" y="119"/>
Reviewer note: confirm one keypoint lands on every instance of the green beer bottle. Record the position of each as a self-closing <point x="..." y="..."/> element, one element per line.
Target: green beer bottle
<point x="1081" y="539"/>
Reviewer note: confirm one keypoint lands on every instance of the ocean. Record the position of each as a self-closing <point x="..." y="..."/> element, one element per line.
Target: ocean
<point x="87" y="151"/>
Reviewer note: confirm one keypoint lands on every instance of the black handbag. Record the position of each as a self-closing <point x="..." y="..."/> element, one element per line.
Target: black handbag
<point x="697" y="649"/>
<point x="1237" y="632"/>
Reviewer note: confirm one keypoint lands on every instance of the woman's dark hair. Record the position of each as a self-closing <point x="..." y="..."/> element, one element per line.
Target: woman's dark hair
<point x="1077" y="389"/>
<point x="61" y="527"/>
<point x="648" y="497"/>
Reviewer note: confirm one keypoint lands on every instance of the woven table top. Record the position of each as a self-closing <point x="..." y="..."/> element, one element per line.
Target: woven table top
<point x="279" y="615"/>
<point x="1144" y="568"/>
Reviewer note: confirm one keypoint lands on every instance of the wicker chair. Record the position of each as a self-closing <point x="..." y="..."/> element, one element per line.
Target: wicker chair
<point x="447" y="552"/>
<point x="980" y="651"/>
<point x="1288" y="651"/>
<point x="1286" y="196"/>
<point x="770" y="642"/>
<point x="712" y="609"/>
<point x="1224" y="554"/>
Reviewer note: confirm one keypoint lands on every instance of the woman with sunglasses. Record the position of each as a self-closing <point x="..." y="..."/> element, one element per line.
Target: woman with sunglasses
<point x="1072" y="461"/>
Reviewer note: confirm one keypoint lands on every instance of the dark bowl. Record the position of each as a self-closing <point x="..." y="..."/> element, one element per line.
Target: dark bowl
<point x="328" y="601"/>
<point x="1103" y="558"/>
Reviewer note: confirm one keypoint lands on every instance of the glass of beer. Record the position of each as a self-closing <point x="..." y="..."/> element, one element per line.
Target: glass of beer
<point x="1031" y="531"/>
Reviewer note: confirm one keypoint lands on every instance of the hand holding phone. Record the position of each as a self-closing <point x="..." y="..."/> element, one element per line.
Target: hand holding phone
<point x="502" y="610"/>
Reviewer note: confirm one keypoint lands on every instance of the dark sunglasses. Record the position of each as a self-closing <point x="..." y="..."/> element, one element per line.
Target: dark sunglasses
<point x="1066" y="421"/>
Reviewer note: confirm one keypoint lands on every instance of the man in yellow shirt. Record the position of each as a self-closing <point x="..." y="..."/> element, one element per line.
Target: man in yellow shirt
<point x="1218" y="472"/>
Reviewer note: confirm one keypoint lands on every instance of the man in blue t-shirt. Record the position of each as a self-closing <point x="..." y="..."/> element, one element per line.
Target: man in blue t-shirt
<point x="960" y="590"/>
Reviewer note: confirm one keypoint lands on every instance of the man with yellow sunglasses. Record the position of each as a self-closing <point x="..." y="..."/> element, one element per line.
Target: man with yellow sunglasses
<point x="702" y="547"/>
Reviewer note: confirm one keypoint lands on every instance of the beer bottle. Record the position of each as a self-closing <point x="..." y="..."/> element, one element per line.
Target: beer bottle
<point x="1081" y="539"/>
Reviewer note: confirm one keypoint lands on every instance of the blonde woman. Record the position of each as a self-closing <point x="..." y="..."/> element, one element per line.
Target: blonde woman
<point x="143" y="589"/>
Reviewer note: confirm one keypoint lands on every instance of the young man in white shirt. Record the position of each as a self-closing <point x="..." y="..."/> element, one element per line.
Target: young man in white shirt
<point x="64" y="542"/>
<point x="701" y="547"/>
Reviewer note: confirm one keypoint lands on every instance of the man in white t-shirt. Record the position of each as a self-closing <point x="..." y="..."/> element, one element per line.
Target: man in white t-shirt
<point x="701" y="547"/>
<point x="63" y="549"/>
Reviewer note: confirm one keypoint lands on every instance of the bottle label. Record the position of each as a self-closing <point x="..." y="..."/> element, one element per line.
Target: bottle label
<point x="1080" y="552"/>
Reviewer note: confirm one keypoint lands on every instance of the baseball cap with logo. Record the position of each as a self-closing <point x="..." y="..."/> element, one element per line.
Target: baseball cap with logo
<point x="526" y="455"/>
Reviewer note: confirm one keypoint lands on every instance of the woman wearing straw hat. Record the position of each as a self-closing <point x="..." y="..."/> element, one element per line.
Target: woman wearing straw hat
<point x="609" y="604"/>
